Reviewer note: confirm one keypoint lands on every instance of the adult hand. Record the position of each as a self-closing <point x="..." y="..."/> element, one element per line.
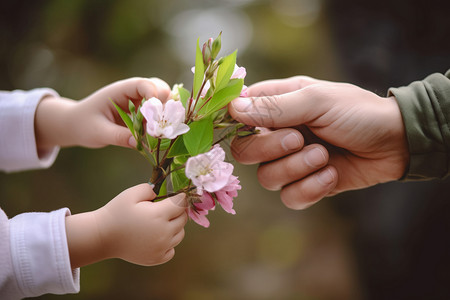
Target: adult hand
<point x="320" y="138"/>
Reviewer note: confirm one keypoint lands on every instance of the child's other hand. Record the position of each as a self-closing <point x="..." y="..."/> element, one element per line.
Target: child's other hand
<point x="140" y="231"/>
<point x="94" y="122"/>
<point x="129" y="227"/>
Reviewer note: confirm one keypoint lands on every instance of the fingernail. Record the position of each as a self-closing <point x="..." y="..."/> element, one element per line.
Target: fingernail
<point x="242" y="104"/>
<point x="315" y="157"/>
<point x="151" y="184"/>
<point x="325" y="177"/>
<point x="132" y="142"/>
<point x="290" y="142"/>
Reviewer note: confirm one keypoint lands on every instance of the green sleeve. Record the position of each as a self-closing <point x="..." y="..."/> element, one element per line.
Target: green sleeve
<point x="425" y="108"/>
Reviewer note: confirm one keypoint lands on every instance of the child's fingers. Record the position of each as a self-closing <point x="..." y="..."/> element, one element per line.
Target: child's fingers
<point x="163" y="89"/>
<point x="179" y="221"/>
<point x="138" y="88"/>
<point x="173" y="206"/>
<point x="176" y="240"/>
<point x="168" y="256"/>
<point x="151" y="87"/>
<point x="135" y="89"/>
<point x="113" y="134"/>
<point x="140" y="193"/>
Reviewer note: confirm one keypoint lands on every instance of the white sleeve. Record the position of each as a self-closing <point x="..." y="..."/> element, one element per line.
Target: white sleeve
<point x="35" y="257"/>
<point x="17" y="136"/>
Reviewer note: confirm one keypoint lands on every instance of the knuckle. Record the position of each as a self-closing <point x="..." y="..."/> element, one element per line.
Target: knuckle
<point x="295" y="196"/>
<point x="288" y="200"/>
<point x="185" y="220"/>
<point x="290" y="169"/>
<point x="265" y="109"/>
<point x="265" y="178"/>
<point x="317" y="91"/>
<point x="267" y="151"/>
<point x="301" y="80"/>
<point x="136" y="78"/>
<point x="242" y="150"/>
<point x="169" y="255"/>
<point x="121" y="138"/>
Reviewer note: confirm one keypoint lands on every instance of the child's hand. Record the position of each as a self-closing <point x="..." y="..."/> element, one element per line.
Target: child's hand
<point x="94" y="122"/>
<point x="129" y="227"/>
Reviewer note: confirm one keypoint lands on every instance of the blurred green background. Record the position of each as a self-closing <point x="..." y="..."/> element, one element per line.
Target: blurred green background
<point x="388" y="242"/>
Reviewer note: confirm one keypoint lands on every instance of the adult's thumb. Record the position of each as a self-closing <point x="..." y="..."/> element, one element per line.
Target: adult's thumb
<point x="286" y="110"/>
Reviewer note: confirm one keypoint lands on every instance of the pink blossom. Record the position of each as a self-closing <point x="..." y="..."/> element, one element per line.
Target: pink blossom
<point x="206" y="202"/>
<point x="208" y="171"/>
<point x="199" y="217"/>
<point x="226" y="194"/>
<point x="164" y="122"/>
<point x="239" y="72"/>
<point x="200" y="209"/>
<point x="244" y="91"/>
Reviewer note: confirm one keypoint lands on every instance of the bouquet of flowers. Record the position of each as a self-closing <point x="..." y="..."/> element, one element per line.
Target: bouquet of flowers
<point x="177" y="137"/>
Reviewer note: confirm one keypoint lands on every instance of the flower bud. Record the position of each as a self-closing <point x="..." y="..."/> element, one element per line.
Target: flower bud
<point x="206" y="51"/>
<point x="206" y="55"/>
<point x="175" y="93"/>
<point x="213" y="68"/>
<point x="216" y="45"/>
<point x="131" y="106"/>
<point x="137" y="126"/>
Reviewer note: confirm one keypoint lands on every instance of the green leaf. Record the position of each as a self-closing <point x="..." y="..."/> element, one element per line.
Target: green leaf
<point x="178" y="178"/>
<point x="125" y="117"/>
<point x="152" y="142"/>
<point x="184" y="95"/>
<point x="178" y="148"/>
<point x="179" y="160"/>
<point x="131" y="107"/>
<point x="199" y="70"/>
<point x="225" y="71"/>
<point x="164" y="144"/>
<point x="221" y="98"/>
<point x="199" y="138"/>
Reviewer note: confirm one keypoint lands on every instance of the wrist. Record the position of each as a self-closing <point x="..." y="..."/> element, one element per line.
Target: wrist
<point x="52" y="121"/>
<point x="84" y="239"/>
<point x="398" y="140"/>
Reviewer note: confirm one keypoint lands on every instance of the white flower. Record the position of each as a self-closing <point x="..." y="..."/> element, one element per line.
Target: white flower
<point x="164" y="122"/>
<point x="175" y="93"/>
<point x="208" y="171"/>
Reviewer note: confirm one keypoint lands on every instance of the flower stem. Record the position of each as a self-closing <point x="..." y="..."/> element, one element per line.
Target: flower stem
<point x="188" y="111"/>
<point x="204" y="103"/>
<point x="168" y="149"/>
<point x="196" y="100"/>
<point x="186" y="189"/>
<point x="159" y="174"/>
<point x="228" y="135"/>
<point x="158" y="146"/>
